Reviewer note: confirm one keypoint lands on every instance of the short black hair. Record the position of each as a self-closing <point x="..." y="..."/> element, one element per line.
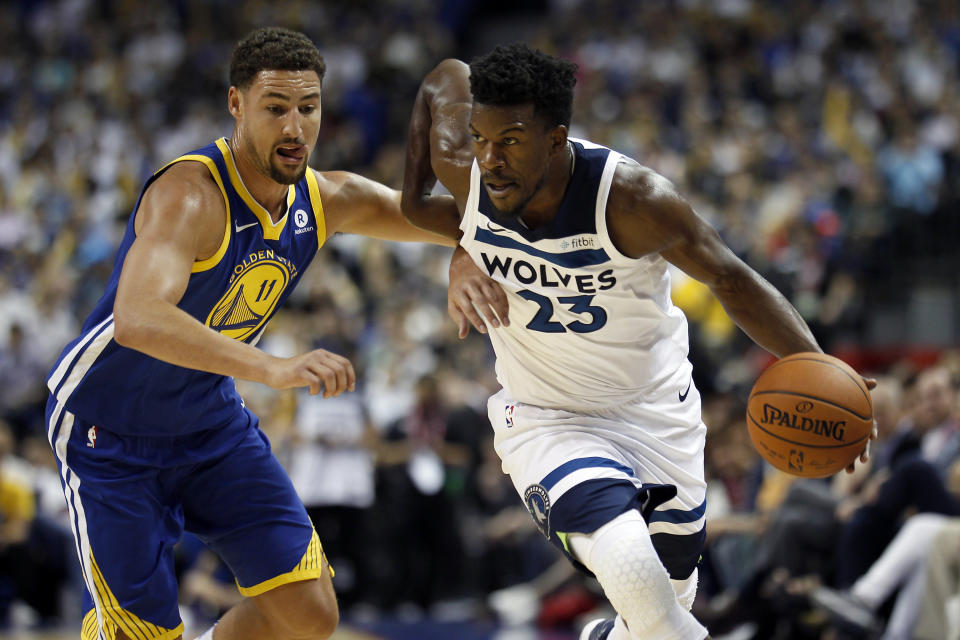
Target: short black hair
<point x="273" y="48"/>
<point x="516" y="74"/>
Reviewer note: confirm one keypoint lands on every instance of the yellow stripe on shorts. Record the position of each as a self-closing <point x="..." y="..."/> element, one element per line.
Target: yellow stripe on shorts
<point x="311" y="566"/>
<point x="117" y="618"/>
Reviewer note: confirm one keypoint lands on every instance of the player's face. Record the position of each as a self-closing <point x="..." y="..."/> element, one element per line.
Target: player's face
<point x="513" y="149"/>
<point x="278" y="120"/>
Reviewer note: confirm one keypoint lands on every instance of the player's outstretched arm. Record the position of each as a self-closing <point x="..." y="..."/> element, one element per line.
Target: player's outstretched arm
<point x="647" y="215"/>
<point x="181" y="219"/>
<point x="355" y="204"/>
<point x="438" y="146"/>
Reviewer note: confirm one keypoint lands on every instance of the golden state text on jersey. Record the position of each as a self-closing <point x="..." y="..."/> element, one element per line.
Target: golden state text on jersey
<point x="235" y="292"/>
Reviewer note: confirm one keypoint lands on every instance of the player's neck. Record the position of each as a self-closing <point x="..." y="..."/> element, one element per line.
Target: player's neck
<point x="270" y="194"/>
<point x="543" y="206"/>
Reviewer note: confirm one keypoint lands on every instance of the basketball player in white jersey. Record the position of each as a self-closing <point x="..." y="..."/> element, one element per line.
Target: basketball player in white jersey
<point x="598" y="422"/>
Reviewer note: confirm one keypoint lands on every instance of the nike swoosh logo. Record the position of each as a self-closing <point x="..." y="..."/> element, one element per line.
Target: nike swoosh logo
<point x="683" y="396"/>
<point x="498" y="230"/>
<point x="246" y="226"/>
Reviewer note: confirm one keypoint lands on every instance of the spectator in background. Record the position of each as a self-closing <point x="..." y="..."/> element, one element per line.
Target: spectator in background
<point x="17" y="510"/>
<point x="21" y="382"/>
<point x="331" y="463"/>
<point x="418" y="532"/>
<point x="36" y="556"/>
<point x="790" y="532"/>
<point x="915" y="478"/>
<point x="913" y="172"/>
<point x="939" y="617"/>
<point x="903" y="569"/>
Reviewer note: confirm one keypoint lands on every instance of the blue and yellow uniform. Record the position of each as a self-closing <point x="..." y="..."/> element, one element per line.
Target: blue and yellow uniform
<point x="147" y="448"/>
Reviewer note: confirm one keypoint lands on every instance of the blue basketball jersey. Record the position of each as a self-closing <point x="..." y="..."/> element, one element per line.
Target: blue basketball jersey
<point x="236" y="292"/>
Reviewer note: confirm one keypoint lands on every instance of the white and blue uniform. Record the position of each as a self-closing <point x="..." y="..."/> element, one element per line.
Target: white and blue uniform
<point x="598" y="413"/>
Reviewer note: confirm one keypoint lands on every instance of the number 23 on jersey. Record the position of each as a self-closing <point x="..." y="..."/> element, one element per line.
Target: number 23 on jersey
<point x="544" y="321"/>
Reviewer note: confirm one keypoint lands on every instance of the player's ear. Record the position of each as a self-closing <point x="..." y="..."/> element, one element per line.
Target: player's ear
<point x="558" y="138"/>
<point x="233" y="102"/>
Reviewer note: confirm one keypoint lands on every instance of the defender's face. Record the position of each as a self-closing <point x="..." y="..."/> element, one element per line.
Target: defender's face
<point x="513" y="149"/>
<point x="278" y="117"/>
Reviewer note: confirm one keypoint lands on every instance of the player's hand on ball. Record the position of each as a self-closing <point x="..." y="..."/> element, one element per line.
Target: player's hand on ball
<point x="319" y="370"/>
<point x="810" y="415"/>
<point x="865" y="456"/>
<point x="473" y="297"/>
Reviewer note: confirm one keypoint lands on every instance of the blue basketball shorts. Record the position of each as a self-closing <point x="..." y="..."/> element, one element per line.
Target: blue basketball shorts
<point x="576" y="471"/>
<point x="130" y="498"/>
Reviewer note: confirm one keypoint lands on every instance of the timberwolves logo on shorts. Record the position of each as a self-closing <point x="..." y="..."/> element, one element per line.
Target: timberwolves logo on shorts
<point x="538" y="504"/>
<point x="251" y="298"/>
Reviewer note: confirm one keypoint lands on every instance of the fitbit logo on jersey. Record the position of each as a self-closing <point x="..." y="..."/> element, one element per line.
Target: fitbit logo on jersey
<point x="830" y="428"/>
<point x="579" y="242"/>
<point x="551" y="276"/>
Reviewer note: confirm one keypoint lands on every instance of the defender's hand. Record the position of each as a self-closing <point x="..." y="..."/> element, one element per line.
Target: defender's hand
<point x="319" y="370"/>
<point x="865" y="456"/>
<point x="473" y="296"/>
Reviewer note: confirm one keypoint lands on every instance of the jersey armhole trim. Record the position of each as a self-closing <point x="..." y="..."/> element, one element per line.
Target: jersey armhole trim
<point x="603" y="194"/>
<point x="313" y="188"/>
<point x="214" y="260"/>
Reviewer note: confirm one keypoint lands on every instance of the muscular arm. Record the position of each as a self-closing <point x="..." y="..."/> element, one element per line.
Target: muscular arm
<point x="646" y="215"/>
<point x="354" y="204"/>
<point x="438" y="146"/>
<point x="181" y="219"/>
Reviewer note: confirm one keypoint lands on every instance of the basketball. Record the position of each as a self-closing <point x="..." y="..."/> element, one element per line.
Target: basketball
<point x="809" y="414"/>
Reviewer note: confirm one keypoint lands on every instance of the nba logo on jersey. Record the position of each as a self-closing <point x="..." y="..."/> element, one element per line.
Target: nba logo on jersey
<point x="92" y="437"/>
<point x="508" y="412"/>
<point x="538" y="504"/>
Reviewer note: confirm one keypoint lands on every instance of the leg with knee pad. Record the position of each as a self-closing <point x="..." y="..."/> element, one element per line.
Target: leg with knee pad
<point x="686" y="590"/>
<point x="635" y="582"/>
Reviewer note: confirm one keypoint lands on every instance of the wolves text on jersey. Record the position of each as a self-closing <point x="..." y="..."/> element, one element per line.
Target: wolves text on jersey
<point x="551" y="276"/>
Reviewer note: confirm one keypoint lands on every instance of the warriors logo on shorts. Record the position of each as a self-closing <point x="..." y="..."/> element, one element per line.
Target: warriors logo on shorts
<point x="538" y="504"/>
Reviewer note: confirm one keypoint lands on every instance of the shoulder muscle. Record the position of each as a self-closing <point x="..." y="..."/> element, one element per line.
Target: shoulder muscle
<point x="185" y="201"/>
<point x="645" y="214"/>
<point x="447" y="90"/>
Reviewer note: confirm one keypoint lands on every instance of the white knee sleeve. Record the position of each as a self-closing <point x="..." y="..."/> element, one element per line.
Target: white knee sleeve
<point x="622" y="557"/>
<point x="686" y="590"/>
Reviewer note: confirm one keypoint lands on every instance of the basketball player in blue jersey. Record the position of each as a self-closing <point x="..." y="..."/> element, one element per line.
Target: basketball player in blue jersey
<point x="598" y="422"/>
<point x="144" y="418"/>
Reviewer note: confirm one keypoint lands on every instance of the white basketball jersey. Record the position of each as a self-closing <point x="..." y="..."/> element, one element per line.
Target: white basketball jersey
<point x="589" y="327"/>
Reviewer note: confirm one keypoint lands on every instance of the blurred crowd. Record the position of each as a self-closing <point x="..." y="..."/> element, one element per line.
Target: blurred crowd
<point x="820" y="137"/>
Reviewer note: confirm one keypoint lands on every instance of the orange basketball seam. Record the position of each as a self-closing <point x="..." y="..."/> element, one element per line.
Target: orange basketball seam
<point x="797" y="358"/>
<point x="804" y="444"/>
<point x="818" y="399"/>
